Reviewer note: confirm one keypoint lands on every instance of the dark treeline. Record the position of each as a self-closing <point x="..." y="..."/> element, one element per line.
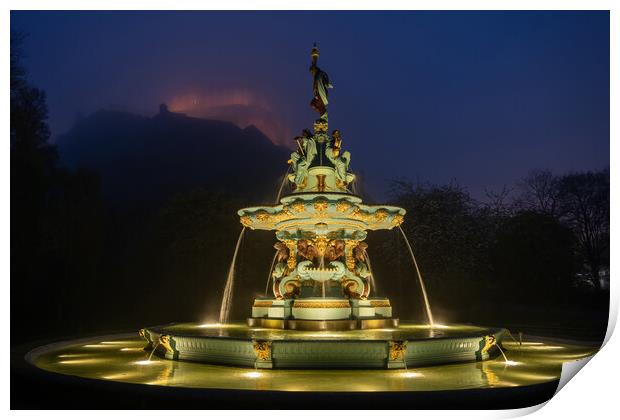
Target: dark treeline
<point x="535" y="255"/>
<point x="80" y="264"/>
<point x="84" y="260"/>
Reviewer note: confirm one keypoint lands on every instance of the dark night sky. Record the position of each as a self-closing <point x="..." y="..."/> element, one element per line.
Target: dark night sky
<point x="478" y="97"/>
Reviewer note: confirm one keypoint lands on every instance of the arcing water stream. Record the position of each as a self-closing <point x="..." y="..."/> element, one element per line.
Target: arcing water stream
<point x="273" y="262"/>
<point x="284" y="179"/>
<point x="230" y="282"/>
<point x="373" y="285"/>
<point x="427" y="305"/>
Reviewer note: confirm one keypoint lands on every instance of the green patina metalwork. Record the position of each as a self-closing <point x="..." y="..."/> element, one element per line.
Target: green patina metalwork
<point x="121" y="358"/>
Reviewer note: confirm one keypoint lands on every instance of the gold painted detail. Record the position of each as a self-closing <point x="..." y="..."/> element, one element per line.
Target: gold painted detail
<point x="320" y="206"/>
<point x="292" y="249"/>
<point x="380" y="303"/>
<point x="320" y="182"/>
<point x="489" y="341"/>
<point x="342" y="206"/>
<point x="284" y="214"/>
<point x="317" y="305"/>
<point x="380" y="215"/>
<point x="349" y="244"/>
<point x="142" y="332"/>
<point x="246" y="221"/>
<point x="349" y="288"/>
<point x="262" y="216"/>
<point x="262" y="303"/>
<point x="320" y="242"/>
<point x="397" y="350"/>
<point x="320" y="126"/>
<point x="164" y="340"/>
<point x="298" y="206"/>
<point x="262" y="349"/>
<point x="398" y="220"/>
<point x="341" y="184"/>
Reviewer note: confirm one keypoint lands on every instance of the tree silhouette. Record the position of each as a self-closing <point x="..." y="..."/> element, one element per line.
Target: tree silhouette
<point x="584" y="199"/>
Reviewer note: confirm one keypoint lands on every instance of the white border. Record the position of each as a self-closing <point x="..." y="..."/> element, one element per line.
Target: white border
<point x="593" y="394"/>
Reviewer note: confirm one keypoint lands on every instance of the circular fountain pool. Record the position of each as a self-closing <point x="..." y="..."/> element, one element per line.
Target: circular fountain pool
<point x="121" y="358"/>
<point x="406" y="346"/>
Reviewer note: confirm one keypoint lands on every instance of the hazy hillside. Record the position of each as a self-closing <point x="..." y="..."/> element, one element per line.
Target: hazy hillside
<point x="146" y="160"/>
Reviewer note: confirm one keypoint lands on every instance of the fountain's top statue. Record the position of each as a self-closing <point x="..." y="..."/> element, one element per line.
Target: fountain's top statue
<point x="320" y="84"/>
<point x="320" y="174"/>
<point x="319" y="164"/>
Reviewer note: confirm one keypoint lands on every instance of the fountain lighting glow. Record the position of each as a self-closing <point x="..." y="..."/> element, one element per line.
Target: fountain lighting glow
<point x="273" y="262"/>
<point x="103" y="346"/>
<point x="411" y="374"/>
<point x="89" y="360"/>
<point x="136" y="349"/>
<point x="439" y="326"/>
<point x="73" y="355"/>
<point x="427" y="305"/>
<point x="526" y="367"/>
<point x="230" y="282"/>
<point x="212" y="325"/>
<point x="284" y="180"/>
<point x="145" y="362"/>
<point x="373" y="284"/>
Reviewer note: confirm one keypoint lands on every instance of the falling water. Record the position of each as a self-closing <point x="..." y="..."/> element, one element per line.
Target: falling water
<point x="373" y="285"/>
<point x="427" y="305"/>
<point x="154" y="348"/>
<point x="284" y="179"/>
<point x="502" y="352"/>
<point x="273" y="262"/>
<point x="230" y="281"/>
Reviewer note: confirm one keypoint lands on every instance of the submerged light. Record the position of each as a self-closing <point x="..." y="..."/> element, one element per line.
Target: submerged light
<point x="144" y="362"/>
<point x="411" y="374"/>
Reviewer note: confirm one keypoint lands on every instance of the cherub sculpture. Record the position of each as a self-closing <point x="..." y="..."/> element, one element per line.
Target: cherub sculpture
<point x="281" y="267"/>
<point x="335" y="250"/>
<point x="306" y="250"/>
<point x="359" y="252"/>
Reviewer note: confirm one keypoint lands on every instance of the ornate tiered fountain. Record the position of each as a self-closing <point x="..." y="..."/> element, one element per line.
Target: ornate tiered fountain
<point x="322" y="312"/>
<point x="322" y="279"/>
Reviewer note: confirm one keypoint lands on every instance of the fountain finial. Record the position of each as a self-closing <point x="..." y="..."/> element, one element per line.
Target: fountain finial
<point x="320" y="84"/>
<point x="315" y="53"/>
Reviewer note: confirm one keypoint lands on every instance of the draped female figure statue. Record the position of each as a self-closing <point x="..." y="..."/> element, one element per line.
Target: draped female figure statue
<point x="320" y="84"/>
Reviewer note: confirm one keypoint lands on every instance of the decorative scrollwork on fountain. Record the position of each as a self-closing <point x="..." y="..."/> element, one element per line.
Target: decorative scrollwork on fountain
<point x="350" y="258"/>
<point x="166" y="343"/>
<point x="262" y="349"/>
<point x="397" y="350"/>
<point x="489" y="342"/>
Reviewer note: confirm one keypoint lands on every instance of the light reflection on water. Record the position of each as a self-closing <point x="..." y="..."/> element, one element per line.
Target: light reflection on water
<point x="535" y="363"/>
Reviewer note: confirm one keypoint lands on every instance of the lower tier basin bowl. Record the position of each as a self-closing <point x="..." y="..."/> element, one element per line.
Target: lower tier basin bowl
<point x="385" y="348"/>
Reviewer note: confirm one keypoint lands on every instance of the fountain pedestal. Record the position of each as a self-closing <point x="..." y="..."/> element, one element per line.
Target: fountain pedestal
<point x="318" y="313"/>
